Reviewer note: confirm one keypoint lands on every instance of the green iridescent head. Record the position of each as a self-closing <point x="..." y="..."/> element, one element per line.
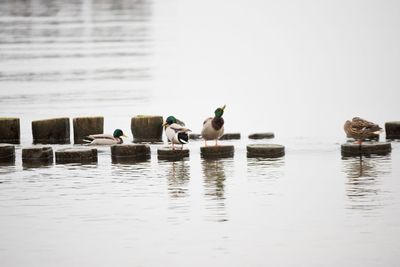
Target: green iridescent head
<point x="219" y="111"/>
<point x="170" y="120"/>
<point x="118" y="133"/>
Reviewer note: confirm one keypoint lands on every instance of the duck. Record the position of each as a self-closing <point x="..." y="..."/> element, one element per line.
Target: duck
<point x="105" y="139"/>
<point x="176" y="131"/>
<point x="213" y="127"/>
<point x="361" y="129"/>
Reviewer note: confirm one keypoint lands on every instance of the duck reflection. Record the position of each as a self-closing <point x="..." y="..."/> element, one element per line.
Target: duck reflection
<point x="178" y="177"/>
<point x="363" y="186"/>
<point x="214" y="185"/>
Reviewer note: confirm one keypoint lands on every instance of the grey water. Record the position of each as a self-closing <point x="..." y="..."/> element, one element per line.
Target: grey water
<point x="297" y="68"/>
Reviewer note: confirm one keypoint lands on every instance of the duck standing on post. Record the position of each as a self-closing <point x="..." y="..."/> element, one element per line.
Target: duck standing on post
<point x="361" y="129"/>
<point x="213" y="127"/>
<point x="176" y="132"/>
<point x="105" y="139"/>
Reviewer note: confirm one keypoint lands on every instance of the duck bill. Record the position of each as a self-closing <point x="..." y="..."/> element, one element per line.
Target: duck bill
<point x="124" y="136"/>
<point x="223" y="107"/>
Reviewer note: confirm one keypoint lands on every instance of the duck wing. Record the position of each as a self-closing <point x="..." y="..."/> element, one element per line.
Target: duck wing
<point x="364" y="125"/>
<point x="181" y="123"/>
<point x="179" y="128"/>
<point x="207" y="120"/>
<point x="99" y="136"/>
<point x="105" y="141"/>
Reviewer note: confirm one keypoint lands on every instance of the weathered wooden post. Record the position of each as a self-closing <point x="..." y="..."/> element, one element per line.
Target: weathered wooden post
<point x="84" y="126"/>
<point x="215" y="152"/>
<point x="147" y="129"/>
<point x="38" y="155"/>
<point x="266" y="135"/>
<point x="130" y="153"/>
<point x="7" y="153"/>
<point x="76" y="155"/>
<point x="194" y="136"/>
<point x="392" y="130"/>
<point x="167" y="153"/>
<point x="51" y="131"/>
<point x="9" y="130"/>
<point x="230" y="136"/>
<point x="365" y="149"/>
<point x="265" y="151"/>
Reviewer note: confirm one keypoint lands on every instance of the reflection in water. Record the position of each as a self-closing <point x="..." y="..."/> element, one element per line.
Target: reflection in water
<point x="123" y="173"/>
<point x="363" y="187"/>
<point x="6" y="168"/>
<point x="214" y="185"/>
<point x="178" y="177"/>
<point x="258" y="167"/>
<point x="78" y="40"/>
<point x="262" y="173"/>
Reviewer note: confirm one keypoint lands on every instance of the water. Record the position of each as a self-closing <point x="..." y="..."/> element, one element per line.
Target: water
<point x="299" y="70"/>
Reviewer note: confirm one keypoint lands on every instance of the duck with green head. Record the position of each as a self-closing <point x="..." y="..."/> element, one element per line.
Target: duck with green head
<point x="105" y="139"/>
<point x="213" y="127"/>
<point x="176" y="131"/>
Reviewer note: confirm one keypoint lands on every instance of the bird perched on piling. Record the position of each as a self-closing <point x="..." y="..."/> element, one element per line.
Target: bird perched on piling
<point x="361" y="129"/>
<point x="176" y="131"/>
<point x="213" y="127"/>
<point x="105" y="139"/>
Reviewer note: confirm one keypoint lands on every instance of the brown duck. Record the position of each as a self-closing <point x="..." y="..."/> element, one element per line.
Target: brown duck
<point x="361" y="129"/>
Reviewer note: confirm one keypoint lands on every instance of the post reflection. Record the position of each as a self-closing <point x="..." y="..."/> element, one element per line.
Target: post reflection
<point x="178" y="176"/>
<point x="214" y="186"/>
<point x="364" y="177"/>
<point x="258" y="167"/>
<point x="262" y="175"/>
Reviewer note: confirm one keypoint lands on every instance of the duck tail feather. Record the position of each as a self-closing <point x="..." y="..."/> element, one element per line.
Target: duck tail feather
<point x="183" y="138"/>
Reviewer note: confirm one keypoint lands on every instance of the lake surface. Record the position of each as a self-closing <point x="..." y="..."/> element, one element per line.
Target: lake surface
<point x="297" y="69"/>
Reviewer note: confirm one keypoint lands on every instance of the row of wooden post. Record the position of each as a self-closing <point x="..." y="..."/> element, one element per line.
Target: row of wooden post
<point x="57" y="130"/>
<point x="128" y="153"/>
<point x="143" y="128"/>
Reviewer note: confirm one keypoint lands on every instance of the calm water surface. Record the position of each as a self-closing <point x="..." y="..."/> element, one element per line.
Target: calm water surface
<point x="122" y="58"/>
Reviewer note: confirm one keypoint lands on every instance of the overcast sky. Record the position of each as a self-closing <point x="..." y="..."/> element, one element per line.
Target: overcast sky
<point x="289" y="62"/>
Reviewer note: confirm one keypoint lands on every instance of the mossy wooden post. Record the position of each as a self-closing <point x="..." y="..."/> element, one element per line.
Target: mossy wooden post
<point x="84" y="126"/>
<point x="147" y="129"/>
<point x="167" y="153"/>
<point x="9" y="130"/>
<point x="7" y="153"/>
<point x="392" y="130"/>
<point x="51" y="131"/>
<point x="76" y="155"/>
<point x="215" y="152"/>
<point x="129" y="153"/>
<point x="40" y="155"/>
<point x="365" y="149"/>
<point x="265" y="151"/>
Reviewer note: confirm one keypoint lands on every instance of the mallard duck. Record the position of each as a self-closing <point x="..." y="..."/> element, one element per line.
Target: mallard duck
<point x="105" y="139"/>
<point x="213" y="127"/>
<point x="361" y="129"/>
<point x="176" y="131"/>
